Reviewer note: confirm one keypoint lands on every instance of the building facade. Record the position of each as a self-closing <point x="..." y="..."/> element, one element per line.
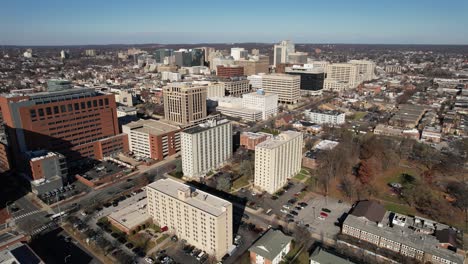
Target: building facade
<point x="205" y="147"/>
<point x="266" y="103"/>
<point x="152" y="139"/>
<point x="184" y="103"/>
<point x="201" y="219"/>
<point x="311" y="78"/>
<point x="236" y="87"/>
<point x="281" y="51"/>
<point x="287" y="87"/>
<point x="228" y="71"/>
<point x="325" y="117"/>
<point x="341" y="76"/>
<point x="276" y="160"/>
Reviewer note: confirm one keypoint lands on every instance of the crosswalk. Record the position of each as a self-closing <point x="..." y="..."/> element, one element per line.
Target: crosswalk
<point x="26" y="214"/>
<point x="44" y="227"/>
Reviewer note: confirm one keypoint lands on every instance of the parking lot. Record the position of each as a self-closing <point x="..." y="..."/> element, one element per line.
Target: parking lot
<point x="103" y="169"/>
<point x="321" y="215"/>
<point x="267" y="201"/>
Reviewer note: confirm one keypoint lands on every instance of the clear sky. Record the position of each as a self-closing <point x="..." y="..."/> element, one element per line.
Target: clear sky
<point x="69" y="22"/>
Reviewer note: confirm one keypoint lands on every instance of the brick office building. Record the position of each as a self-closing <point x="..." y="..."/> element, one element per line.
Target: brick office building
<point x="228" y="71"/>
<point x="78" y="123"/>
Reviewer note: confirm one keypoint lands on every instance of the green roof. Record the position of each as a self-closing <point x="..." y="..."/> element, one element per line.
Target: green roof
<point x="270" y="244"/>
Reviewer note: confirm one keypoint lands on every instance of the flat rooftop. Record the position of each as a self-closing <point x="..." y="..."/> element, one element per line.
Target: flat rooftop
<point x="132" y="215"/>
<point x="205" y="126"/>
<point x="198" y="199"/>
<point x="153" y="127"/>
<point x="279" y="140"/>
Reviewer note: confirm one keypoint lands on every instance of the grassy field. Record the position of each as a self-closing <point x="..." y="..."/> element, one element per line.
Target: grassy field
<point x="241" y="182"/>
<point x="359" y="115"/>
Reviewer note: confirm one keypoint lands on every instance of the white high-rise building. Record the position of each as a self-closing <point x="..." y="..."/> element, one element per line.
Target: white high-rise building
<point x="341" y="76"/>
<point x="317" y="64"/>
<point x="239" y="53"/>
<point x="267" y="103"/>
<point x="255" y="81"/>
<point x="282" y="50"/>
<point x="205" y="147"/>
<point x="287" y="87"/>
<point x="277" y="160"/>
<point x="201" y="219"/>
<point x="365" y="69"/>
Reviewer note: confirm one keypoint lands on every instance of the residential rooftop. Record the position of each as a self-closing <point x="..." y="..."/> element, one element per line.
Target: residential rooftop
<point x="270" y="244"/>
<point x="132" y="215"/>
<point x="199" y="199"/>
<point x="205" y="126"/>
<point x="279" y="140"/>
<point x="152" y="127"/>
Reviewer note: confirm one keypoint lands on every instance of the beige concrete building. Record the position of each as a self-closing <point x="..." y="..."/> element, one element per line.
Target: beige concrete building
<point x="236" y="87"/>
<point x="255" y="65"/>
<point x="276" y="160"/>
<point x="341" y="76"/>
<point x="184" y="103"/>
<point x="205" y="147"/>
<point x="286" y="86"/>
<point x="202" y="219"/>
<point x="365" y="69"/>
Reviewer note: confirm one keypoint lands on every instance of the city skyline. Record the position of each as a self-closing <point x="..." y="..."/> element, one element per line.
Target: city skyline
<point x="94" y="23"/>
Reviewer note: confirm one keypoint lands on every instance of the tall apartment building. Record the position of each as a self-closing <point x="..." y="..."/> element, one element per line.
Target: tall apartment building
<point x="287" y="87"/>
<point x="255" y="64"/>
<point x="78" y="123"/>
<point x="276" y="160"/>
<point x="239" y="53"/>
<point x="341" y="76"/>
<point x="281" y="51"/>
<point x="365" y="69"/>
<point x="236" y="87"/>
<point x="325" y="117"/>
<point x="201" y="219"/>
<point x="228" y="71"/>
<point x="90" y="52"/>
<point x="205" y="147"/>
<point x="152" y="139"/>
<point x="184" y="103"/>
<point x="267" y="103"/>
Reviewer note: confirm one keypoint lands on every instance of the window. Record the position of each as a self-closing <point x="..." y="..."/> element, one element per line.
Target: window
<point x="56" y="109"/>
<point x="100" y="102"/>
<point x="95" y="103"/>
<point x="48" y="111"/>
<point x="63" y="108"/>
<point x="106" y="101"/>
<point x="77" y="106"/>
<point x="32" y="112"/>
<point x="70" y="107"/>
<point x="41" y="112"/>
<point x="89" y="104"/>
<point x="83" y="105"/>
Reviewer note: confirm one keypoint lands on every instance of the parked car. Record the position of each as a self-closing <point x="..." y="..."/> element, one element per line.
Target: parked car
<point x="294" y="213"/>
<point x="326" y="210"/>
<point x="284" y="211"/>
<point x="302" y="204"/>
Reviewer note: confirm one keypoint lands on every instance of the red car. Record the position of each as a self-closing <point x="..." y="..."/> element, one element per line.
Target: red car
<point x="323" y="214"/>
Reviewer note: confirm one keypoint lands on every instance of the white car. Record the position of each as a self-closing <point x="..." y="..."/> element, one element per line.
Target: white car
<point x="283" y="211"/>
<point x="321" y="218"/>
<point x="149" y="260"/>
<point x="286" y="206"/>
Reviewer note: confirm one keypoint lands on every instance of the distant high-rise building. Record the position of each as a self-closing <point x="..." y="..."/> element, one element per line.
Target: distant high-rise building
<point x="239" y="53"/>
<point x="199" y="218"/>
<point x="297" y="57"/>
<point x="198" y="57"/>
<point x="282" y="50"/>
<point x="228" y="71"/>
<point x="236" y="87"/>
<point x="207" y="51"/>
<point x="161" y="54"/>
<point x="276" y="160"/>
<point x="255" y="65"/>
<point x="90" y="52"/>
<point x="205" y="147"/>
<point x="64" y="54"/>
<point x="255" y="52"/>
<point x="183" y="58"/>
<point x="287" y="87"/>
<point x="184" y="103"/>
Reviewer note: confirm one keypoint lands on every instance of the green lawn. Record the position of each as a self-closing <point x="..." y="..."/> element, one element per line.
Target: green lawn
<point x="241" y="182"/>
<point x="359" y="115"/>
<point x="300" y="176"/>
<point x="302" y="258"/>
<point x="400" y="208"/>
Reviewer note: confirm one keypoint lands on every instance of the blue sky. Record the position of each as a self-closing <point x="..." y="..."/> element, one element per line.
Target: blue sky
<point x="66" y="22"/>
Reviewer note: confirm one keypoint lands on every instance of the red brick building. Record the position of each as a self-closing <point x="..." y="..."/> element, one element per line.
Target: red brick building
<point x="228" y="71"/>
<point x="249" y="140"/>
<point x="78" y="123"/>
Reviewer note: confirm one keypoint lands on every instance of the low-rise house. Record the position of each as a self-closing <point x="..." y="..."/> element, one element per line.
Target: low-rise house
<point x="270" y="248"/>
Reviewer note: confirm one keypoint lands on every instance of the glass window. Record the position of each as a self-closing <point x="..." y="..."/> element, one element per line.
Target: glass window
<point x="77" y="106"/>
<point x="106" y="101"/>
<point x="100" y="102"/>
<point x="89" y="104"/>
<point x="41" y="112"/>
<point x="48" y="110"/>
<point x="83" y="105"/>
<point x="56" y="109"/>
<point x="70" y="107"/>
<point x="95" y="103"/>
<point x="63" y="108"/>
<point x="32" y="112"/>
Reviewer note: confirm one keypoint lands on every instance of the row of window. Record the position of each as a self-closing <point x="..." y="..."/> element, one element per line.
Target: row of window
<point x="68" y="108"/>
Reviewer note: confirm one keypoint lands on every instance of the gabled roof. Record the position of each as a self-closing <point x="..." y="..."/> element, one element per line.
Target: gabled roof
<point x="270" y="244"/>
<point x="371" y="210"/>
